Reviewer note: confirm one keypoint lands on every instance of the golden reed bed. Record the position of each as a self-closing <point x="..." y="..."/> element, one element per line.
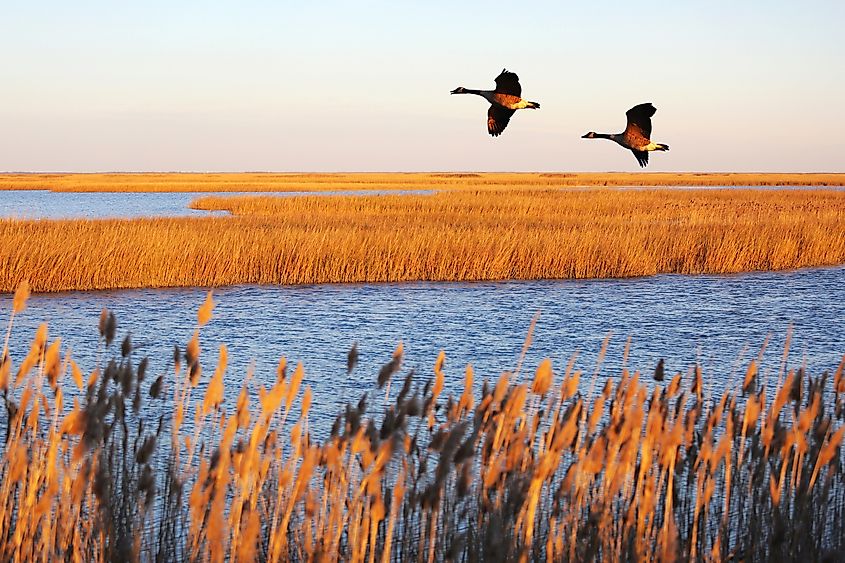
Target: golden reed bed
<point x="264" y="182"/>
<point x="167" y="467"/>
<point x="493" y="234"/>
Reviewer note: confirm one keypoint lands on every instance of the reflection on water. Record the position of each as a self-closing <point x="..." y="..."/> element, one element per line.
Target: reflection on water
<point x="719" y="322"/>
<point x="42" y="204"/>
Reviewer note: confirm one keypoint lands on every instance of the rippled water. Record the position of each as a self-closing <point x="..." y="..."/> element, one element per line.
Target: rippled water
<point x="43" y="204"/>
<point x="719" y="322"/>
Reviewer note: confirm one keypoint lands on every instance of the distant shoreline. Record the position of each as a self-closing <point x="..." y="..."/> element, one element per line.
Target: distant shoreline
<point x="275" y="182"/>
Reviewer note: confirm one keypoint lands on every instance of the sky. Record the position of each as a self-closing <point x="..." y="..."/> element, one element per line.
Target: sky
<point x="364" y="86"/>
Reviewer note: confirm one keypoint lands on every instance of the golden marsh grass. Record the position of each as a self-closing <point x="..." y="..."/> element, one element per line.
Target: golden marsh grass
<point x="264" y="182"/>
<point x="458" y="235"/>
<point x="165" y="466"/>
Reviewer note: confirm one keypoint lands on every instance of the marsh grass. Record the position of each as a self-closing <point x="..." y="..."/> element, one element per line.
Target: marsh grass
<point x="531" y="468"/>
<point x="449" y="236"/>
<point x="274" y="182"/>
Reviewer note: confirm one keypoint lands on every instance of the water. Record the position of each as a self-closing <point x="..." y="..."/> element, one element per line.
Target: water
<point x="43" y="204"/>
<point x="719" y="322"/>
<point x="698" y="188"/>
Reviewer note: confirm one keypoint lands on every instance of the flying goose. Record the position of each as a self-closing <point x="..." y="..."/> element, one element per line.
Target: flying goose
<point x="636" y="134"/>
<point x="504" y="101"/>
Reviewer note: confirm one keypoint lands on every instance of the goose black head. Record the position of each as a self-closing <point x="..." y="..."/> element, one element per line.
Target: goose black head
<point x="590" y="135"/>
<point x="459" y="90"/>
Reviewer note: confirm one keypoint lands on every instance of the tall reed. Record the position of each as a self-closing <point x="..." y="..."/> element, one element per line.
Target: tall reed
<point x="549" y="465"/>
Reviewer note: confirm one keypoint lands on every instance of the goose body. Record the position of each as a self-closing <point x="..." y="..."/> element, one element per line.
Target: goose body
<point x="504" y="101"/>
<point x="636" y="135"/>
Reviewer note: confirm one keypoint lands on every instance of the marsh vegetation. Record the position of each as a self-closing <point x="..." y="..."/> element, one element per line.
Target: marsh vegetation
<point x="281" y="182"/>
<point x="456" y="235"/>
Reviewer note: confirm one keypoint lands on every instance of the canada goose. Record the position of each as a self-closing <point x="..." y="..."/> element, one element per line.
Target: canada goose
<point x="504" y="100"/>
<point x="636" y="134"/>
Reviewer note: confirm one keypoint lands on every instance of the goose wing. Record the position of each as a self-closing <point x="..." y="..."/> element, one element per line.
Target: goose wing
<point x="497" y="119"/>
<point x="508" y="83"/>
<point x="641" y="156"/>
<point x="639" y="121"/>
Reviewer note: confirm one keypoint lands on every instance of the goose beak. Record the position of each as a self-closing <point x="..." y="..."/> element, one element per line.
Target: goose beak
<point x="456" y="91"/>
<point x="586" y="136"/>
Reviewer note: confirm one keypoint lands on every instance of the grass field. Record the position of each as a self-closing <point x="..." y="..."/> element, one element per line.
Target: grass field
<point x="261" y="182"/>
<point x="459" y="235"/>
<point x="137" y="465"/>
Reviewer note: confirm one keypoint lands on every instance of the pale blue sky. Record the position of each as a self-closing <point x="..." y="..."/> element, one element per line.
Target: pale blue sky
<point x="364" y="86"/>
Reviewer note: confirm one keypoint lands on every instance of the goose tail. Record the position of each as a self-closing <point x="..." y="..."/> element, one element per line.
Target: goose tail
<point x="662" y="147"/>
<point x="533" y="105"/>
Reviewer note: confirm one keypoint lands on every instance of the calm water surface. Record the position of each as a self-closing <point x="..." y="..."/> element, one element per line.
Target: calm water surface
<point x="719" y="322"/>
<point x="43" y="204"/>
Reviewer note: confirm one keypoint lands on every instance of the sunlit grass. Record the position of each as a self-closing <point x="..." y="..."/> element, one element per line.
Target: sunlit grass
<point x="554" y="464"/>
<point x="451" y="236"/>
<point x="262" y="182"/>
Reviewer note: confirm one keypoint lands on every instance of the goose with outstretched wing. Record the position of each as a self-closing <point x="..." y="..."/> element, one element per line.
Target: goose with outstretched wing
<point x="504" y="101"/>
<point x="637" y="135"/>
